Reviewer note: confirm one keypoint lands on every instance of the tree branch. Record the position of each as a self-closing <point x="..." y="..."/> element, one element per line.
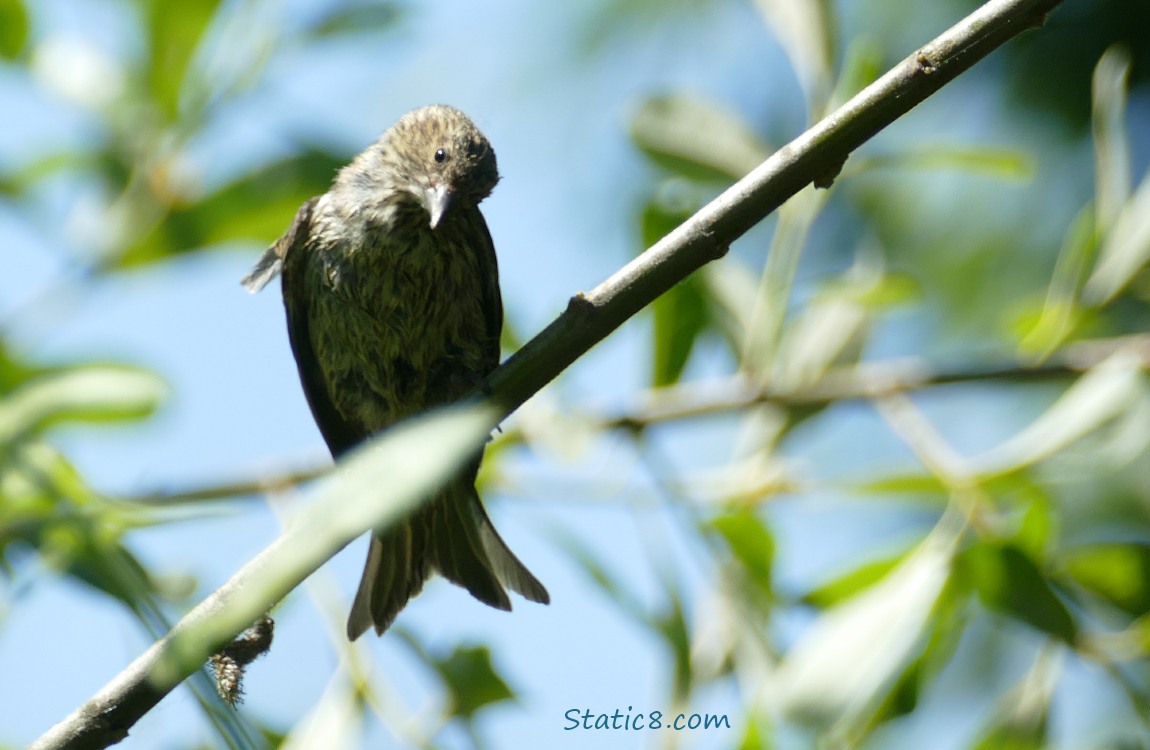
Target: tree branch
<point x="814" y="157"/>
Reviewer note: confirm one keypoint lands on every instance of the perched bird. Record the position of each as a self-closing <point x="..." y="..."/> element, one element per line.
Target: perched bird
<point x="393" y="306"/>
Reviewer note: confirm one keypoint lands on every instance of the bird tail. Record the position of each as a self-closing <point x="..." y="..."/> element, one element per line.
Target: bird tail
<point x="451" y="535"/>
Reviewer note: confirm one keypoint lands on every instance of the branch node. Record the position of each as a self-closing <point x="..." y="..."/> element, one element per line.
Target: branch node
<point x="580" y="304"/>
<point x="924" y="63"/>
<point x="825" y="179"/>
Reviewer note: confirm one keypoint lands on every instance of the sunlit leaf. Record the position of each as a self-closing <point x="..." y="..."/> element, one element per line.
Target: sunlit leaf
<point x="334" y="721"/>
<point x="1118" y="572"/>
<point x="1010" y="164"/>
<point x="93" y="393"/>
<point x="1106" y="391"/>
<point x="1008" y="581"/>
<point x="13" y="28"/>
<point x="750" y="542"/>
<point x="1111" y="144"/>
<point x="806" y="30"/>
<point x="697" y="139"/>
<point x="843" y="662"/>
<point x="852" y="583"/>
<point x="1062" y="312"/>
<point x="387" y="477"/>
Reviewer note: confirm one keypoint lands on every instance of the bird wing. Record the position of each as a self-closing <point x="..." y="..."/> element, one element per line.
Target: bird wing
<point x="294" y="251"/>
<point x="492" y="301"/>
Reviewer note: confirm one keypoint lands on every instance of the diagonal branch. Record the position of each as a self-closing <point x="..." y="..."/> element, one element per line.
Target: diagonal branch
<point x="814" y="157"/>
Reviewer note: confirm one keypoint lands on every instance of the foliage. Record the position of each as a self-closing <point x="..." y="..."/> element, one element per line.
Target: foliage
<point x="1033" y="547"/>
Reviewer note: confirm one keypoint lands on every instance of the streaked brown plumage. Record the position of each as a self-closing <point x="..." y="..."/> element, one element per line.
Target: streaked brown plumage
<point x="392" y="295"/>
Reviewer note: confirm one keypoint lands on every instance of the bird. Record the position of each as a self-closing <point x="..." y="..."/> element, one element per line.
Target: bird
<point x="391" y="289"/>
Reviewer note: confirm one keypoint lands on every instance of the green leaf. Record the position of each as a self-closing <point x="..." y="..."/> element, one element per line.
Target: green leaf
<point x="174" y="32"/>
<point x="697" y="139"/>
<point x="371" y="487"/>
<point x="472" y="681"/>
<point x="359" y="18"/>
<point x="671" y="626"/>
<point x="13" y="28"/>
<point x="1111" y="143"/>
<point x="1118" y="572"/>
<point x="1008" y="581"/>
<point x="1105" y="392"/>
<point x="259" y="206"/>
<point x="750" y="542"/>
<point x="1022" y="714"/>
<point x="1003" y="163"/>
<point x="91" y="393"/>
<point x="850" y="656"/>
<point x="852" y="583"/>
<point x="681" y="314"/>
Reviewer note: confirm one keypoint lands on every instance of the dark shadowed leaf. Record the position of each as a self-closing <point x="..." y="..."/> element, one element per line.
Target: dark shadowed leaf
<point x="1119" y="573"/>
<point x="1008" y="581"/>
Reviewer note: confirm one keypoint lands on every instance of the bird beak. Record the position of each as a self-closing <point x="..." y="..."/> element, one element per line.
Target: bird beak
<point x="439" y="199"/>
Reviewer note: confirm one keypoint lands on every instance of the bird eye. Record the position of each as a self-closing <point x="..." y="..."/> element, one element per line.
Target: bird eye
<point x="440" y="156"/>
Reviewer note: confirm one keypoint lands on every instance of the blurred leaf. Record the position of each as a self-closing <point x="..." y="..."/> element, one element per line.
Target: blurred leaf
<point x="1111" y="145"/>
<point x="862" y="66"/>
<point x="1118" y="572"/>
<point x="681" y="314"/>
<point x="1106" y="391"/>
<point x="411" y="459"/>
<point x="839" y="666"/>
<point x="1008" y="581"/>
<point x="1021" y="715"/>
<point x="827" y="331"/>
<point x="335" y="721"/>
<point x="174" y="31"/>
<point x="806" y="30"/>
<point x="852" y="583"/>
<point x="904" y="484"/>
<point x="92" y="393"/>
<point x="13" y="28"/>
<point x="1125" y="250"/>
<point x="750" y="542"/>
<point x="1062" y="314"/>
<point x="696" y="139"/>
<point x="472" y="681"/>
<point x="358" y="17"/>
<point x="671" y="626"/>
<point x="1004" y="163"/>
<point x="258" y="207"/>
<point x="731" y="287"/>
